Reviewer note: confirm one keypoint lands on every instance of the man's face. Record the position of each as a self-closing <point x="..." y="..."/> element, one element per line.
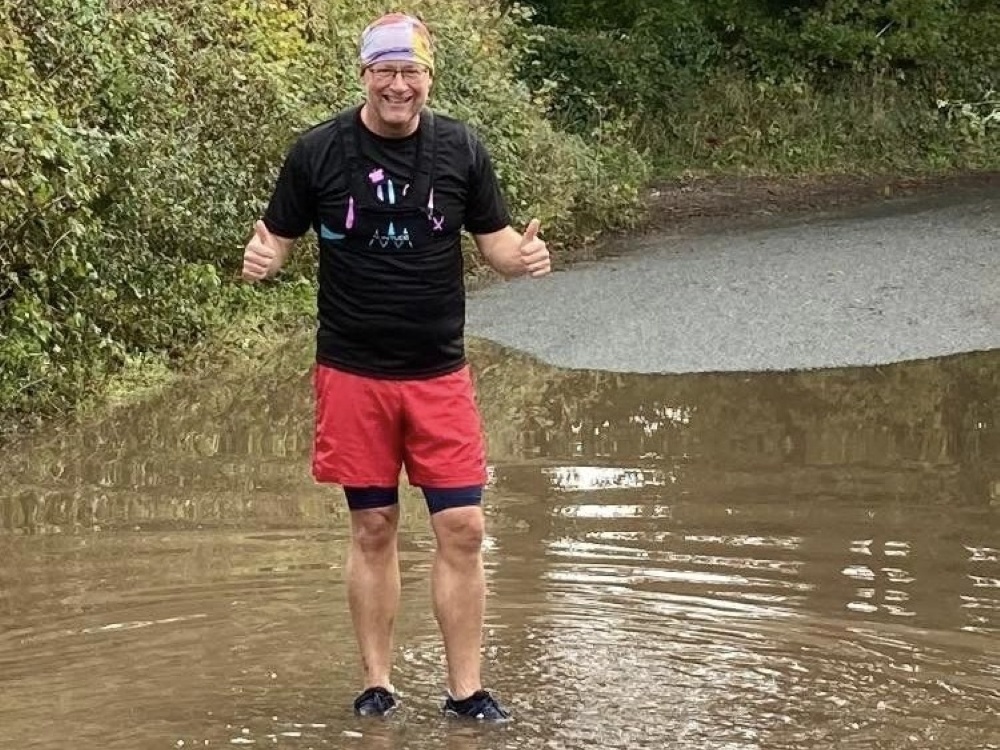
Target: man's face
<point x="397" y="91"/>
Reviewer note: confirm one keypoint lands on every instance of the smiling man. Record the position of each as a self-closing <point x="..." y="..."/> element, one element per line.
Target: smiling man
<point x="388" y="188"/>
<point x="398" y="65"/>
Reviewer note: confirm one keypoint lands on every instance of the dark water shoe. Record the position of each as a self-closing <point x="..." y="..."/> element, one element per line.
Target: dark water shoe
<point x="375" y="701"/>
<point x="480" y="706"/>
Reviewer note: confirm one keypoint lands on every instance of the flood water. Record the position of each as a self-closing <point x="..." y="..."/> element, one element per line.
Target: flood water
<point x="806" y="560"/>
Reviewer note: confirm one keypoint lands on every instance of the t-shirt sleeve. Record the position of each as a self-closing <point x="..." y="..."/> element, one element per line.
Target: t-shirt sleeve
<point x="292" y="206"/>
<point x="485" y="209"/>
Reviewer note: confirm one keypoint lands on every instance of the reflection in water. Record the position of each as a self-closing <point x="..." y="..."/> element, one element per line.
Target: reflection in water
<point x="738" y="561"/>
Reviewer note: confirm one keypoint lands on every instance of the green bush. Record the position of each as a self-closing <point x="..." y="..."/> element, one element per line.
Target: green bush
<point x="769" y="85"/>
<point x="132" y="161"/>
<point x="599" y="70"/>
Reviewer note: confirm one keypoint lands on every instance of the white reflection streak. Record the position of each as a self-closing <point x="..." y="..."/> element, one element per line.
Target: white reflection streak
<point x="616" y="511"/>
<point x="898" y="575"/>
<point x="671" y="415"/>
<point x="862" y="546"/>
<point x="896" y="549"/>
<point x="592" y="550"/>
<point x="585" y="478"/>
<point x="983" y="582"/>
<point x="859" y="572"/>
<point x="983" y="554"/>
<point x="740" y="540"/>
<point x="972" y="602"/>
<point x="137" y="624"/>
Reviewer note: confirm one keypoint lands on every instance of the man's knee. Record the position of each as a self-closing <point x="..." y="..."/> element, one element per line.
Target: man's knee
<point x="460" y="531"/>
<point x="373" y="531"/>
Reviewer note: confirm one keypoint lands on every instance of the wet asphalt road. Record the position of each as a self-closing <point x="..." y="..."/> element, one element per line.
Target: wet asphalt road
<point x="904" y="281"/>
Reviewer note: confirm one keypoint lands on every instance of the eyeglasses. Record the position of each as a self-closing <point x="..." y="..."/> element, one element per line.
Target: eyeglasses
<point x="388" y="73"/>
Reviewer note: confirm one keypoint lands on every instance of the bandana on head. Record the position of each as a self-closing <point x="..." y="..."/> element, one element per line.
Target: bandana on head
<point x="396" y="37"/>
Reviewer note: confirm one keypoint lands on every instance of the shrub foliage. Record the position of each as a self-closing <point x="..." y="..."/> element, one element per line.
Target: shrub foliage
<point x="787" y="85"/>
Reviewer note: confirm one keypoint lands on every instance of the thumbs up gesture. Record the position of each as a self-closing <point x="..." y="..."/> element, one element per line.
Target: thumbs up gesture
<point x="260" y="254"/>
<point x="534" y="253"/>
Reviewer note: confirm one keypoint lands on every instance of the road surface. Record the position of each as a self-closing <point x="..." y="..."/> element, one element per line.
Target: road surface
<point x="908" y="281"/>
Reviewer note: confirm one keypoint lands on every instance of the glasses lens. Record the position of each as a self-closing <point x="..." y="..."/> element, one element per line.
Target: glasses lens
<point x="386" y="74"/>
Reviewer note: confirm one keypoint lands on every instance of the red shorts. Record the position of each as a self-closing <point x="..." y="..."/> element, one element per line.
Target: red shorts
<point x="367" y="429"/>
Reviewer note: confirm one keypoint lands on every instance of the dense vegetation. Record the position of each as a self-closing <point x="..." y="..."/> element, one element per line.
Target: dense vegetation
<point x="139" y="138"/>
<point x="779" y="85"/>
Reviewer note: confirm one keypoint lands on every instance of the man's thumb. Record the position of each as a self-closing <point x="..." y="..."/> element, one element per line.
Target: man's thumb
<point x="532" y="231"/>
<point x="262" y="233"/>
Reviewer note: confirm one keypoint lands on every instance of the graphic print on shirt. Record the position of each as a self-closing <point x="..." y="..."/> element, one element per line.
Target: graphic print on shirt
<point x="328" y="234"/>
<point x="435" y="217"/>
<point x="391" y="238"/>
<point x="385" y="192"/>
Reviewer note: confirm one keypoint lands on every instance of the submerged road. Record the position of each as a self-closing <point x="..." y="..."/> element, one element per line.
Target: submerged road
<point x="904" y="281"/>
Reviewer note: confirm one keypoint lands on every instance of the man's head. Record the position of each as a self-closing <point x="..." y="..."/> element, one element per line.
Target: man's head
<point x="397" y="66"/>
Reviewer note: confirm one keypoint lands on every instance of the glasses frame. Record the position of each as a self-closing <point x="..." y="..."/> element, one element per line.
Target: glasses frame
<point x="385" y="73"/>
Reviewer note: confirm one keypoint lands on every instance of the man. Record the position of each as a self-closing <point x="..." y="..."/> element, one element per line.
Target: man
<point x="388" y="188"/>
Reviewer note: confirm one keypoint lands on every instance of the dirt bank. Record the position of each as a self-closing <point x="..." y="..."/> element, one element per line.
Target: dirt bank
<point x="723" y="202"/>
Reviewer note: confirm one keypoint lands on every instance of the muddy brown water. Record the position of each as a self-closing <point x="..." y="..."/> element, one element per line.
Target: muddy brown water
<point x="801" y="560"/>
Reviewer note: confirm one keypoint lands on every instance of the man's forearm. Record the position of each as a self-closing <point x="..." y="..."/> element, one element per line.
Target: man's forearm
<point x="503" y="253"/>
<point x="282" y="247"/>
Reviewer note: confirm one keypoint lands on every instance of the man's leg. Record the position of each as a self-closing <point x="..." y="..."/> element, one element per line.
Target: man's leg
<point x="445" y="455"/>
<point x="373" y="581"/>
<point x="458" y="587"/>
<point x="358" y="445"/>
<point x="459" y="590"/>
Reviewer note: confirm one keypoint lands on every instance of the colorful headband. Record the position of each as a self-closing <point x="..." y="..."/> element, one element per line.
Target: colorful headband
<point x="396" y="37"/>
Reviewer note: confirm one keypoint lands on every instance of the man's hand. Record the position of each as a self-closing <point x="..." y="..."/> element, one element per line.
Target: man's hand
<point x="534" y="253"/>
<point x="260" y="254"/>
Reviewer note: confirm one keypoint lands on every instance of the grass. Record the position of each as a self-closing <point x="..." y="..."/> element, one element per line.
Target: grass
<point x="738" y="126"/>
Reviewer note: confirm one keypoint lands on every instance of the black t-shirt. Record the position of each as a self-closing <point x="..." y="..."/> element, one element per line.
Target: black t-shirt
<point x="388" y="215"/>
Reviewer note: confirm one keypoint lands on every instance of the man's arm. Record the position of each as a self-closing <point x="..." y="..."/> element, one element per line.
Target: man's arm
<point x="265" y="253"/>
<point x="512" y="254"/>
<point x="290" y="209"/>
